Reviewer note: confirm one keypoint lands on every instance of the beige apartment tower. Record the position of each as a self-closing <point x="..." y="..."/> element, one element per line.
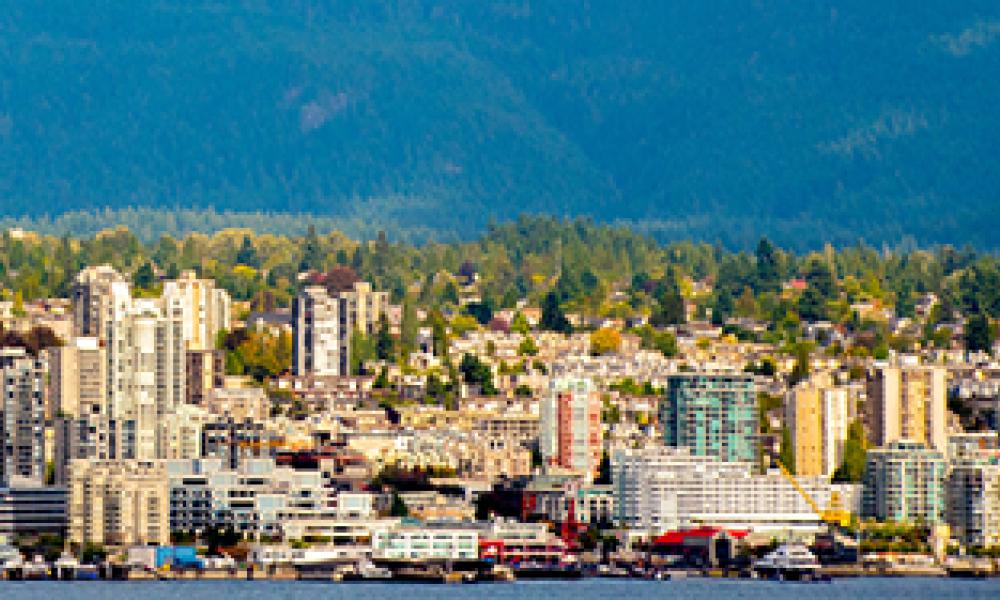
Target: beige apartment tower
<point x="119" y="503"/>
<point x="78" y="378"/>
<point x="816" y="415"/>
<point x="907" y="402"/>
<point x="205" y="309"/>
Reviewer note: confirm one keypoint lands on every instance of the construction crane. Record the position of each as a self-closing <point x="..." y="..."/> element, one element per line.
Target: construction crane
<point x="833" y="514"/>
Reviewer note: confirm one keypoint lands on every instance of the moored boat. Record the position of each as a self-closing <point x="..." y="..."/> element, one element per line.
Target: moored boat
<point x="789" y="562"/>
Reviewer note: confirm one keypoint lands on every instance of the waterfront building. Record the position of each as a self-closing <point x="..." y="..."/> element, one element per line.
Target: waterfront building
<point x="257" y="498"/>
<point x="657" y="489"/>
<point x="426" y="543"/>
<point x="973" y="496"/>
<point x="570" y="426"/>
<point x="119" y="503"/>
<point x="907" y="402"/>
<point x="904" y="482"/>
<point x="713" y="414"/>
<point x="32" y="509"/>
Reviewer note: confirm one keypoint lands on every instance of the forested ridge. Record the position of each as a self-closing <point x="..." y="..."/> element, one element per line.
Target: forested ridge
<point x="577" y="264"/>
<point x="807" y="121"/>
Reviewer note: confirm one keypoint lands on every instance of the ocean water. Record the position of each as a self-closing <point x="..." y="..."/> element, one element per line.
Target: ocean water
<point x="589" y="589"/>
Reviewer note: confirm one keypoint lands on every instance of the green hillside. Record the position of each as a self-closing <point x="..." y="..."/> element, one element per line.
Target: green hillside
<point x="805" y="120"/>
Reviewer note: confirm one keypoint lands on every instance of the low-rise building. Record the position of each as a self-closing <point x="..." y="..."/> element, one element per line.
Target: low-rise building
<point x="426" y="543"/>
<point x="32" y="510"/>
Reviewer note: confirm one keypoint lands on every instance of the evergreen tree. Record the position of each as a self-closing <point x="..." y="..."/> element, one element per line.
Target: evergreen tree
<point x="144" y="278"/>
<point x="247" y="254"/>
<point x="398" y="508"/>
<point x="553" y="318"/>
<point x="670" y="309"/>
<point x="768" y="273"/>
<point x="787" y="455"/>
<point x="384" y="344"/>
<point x="811" y="306"/>
<point x="852" y="468"/>
<point x="978" y="337"/>
<point x="604" y="470"/>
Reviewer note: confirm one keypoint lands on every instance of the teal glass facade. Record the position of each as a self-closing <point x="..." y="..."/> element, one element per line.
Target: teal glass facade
<point x="713" y="414"/>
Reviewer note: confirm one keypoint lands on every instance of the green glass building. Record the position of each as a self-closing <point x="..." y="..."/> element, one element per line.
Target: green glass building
<point x="713" y="414"/>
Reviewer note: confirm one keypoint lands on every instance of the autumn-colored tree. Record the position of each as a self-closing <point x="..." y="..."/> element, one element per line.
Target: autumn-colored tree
<point x="605" y="341"/>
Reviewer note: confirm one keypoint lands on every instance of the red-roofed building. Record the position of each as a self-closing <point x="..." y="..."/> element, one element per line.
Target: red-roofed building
<point x="700" y="547"/>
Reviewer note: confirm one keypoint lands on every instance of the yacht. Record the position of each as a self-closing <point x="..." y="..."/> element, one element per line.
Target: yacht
<point x="792" y="562"/>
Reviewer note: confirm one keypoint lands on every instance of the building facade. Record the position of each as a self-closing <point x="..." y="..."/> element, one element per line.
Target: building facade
<point x="904" y="482"/>
<point x="570" y="426"/>
<point x="99" y="294"/>
<point x="119" y="503"/>
<point x="32" y="510"/>
<point x="907" y="402"/>
<point x="318" y="326"/>
<point x="713" y="414"/>
<point x="657" y="489"/>
<point x="973" y="494"/>
<point x="205" y="309"/>
<point x="22" y="418"/>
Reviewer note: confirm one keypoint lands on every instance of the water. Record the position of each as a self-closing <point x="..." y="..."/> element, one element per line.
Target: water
<point x="590" y="589"/>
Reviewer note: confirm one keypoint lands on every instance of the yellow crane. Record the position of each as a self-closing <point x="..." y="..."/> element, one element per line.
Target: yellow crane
<point x="833" y="514"/>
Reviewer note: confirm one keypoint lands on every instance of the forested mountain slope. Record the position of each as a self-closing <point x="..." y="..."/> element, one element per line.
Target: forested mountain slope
<point x="806" y="120"/>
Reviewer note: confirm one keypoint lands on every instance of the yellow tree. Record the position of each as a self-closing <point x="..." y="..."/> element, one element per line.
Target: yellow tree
<point x="605" y="341"/>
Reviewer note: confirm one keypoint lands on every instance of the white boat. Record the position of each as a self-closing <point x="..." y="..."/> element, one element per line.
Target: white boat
<point x="366" y="571"/>
<point x="36" y="569"/>
<point x="793" y="562"/>
<point x="10" y="554"/>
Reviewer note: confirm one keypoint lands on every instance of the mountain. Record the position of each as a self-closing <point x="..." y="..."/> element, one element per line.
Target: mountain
<point x="805" y="120"/>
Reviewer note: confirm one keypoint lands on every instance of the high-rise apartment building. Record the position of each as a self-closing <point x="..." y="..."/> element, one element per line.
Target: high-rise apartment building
<point x="205" y="309"/>
<point x="143" y="342"/>
<point x="146" y="363"/>
<point x="816" y="416"/>
<point x="322" y="326"/>
<point x="99" y="294"/>
<point x="973" y="493"/>
<point x="318" y="325"/>
<point x="205" y="371"/>
<point x="570" y="426"/>
<point x="904" y="482"/>
<point x="364" y="308"/>
<point x="22" y="418"/>
<point x="78" y="378"/>
<point x="713" y="414"/>
<point x="907" y="402"/>
<point x="78" y="401"/>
